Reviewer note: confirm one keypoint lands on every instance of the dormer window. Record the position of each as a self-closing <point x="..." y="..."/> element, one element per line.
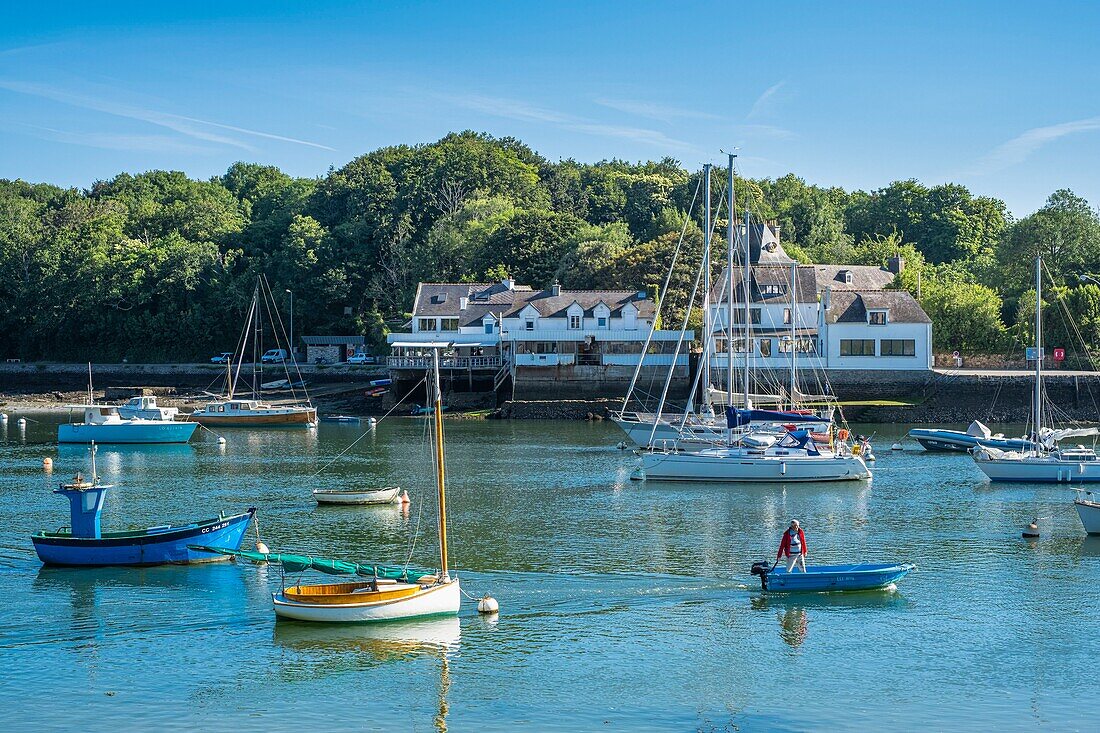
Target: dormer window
<point x="770" y="291"/>
<point x="876" y="318"/>
<point x="574" y="322"/>
<point x="845" y="276"/>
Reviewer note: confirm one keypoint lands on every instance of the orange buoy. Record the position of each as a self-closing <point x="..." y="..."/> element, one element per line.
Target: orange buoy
<point x="405" y="498"/>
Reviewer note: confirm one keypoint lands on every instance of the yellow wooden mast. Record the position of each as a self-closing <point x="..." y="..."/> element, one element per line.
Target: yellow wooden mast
<point x="440" y="471"/>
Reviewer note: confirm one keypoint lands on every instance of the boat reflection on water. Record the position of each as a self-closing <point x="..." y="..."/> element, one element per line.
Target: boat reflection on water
<point x="332" y="648"/>
<point x="793" y="612"/>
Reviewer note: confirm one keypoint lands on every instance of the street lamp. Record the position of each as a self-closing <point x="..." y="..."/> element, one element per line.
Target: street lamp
<point x="1083" y="277"/>
<point x="292" y="349"/>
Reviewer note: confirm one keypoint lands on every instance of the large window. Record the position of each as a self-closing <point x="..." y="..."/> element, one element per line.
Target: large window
<point x="425" y="324"/>
<point x="897" y="347"/>
<point x="739" y="315"/>
<point x="857" y="347"/>
<point x="804" y="345"/>
<point x="574" y="322"/>
<point x="448" y="324"/>
<point x="546" y="347"/>
<point x="876" y="318"/>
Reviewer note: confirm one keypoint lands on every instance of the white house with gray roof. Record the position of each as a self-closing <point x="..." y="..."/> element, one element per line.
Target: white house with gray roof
<point x="842" y="316"/>
<point x="498" y="326"/>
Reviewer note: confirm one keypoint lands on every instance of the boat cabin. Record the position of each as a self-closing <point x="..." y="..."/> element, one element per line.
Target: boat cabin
<point x="98" y="414"/>
<point x="237" y="406"/>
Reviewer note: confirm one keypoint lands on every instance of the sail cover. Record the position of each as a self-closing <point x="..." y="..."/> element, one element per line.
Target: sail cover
<point x="736" y="418"/>
<point x="1049" y="439"/>
<point x="301" y="563"/>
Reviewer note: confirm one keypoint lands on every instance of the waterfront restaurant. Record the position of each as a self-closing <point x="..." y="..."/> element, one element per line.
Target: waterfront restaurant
<point x="842" y="317"/>
<point x="499" y="328"/>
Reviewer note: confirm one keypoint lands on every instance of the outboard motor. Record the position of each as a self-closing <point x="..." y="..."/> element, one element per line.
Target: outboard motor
<point x="761" y="568"/>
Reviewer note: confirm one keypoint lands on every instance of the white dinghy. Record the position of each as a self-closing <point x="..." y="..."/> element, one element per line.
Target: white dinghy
<point x="387" y="495"/>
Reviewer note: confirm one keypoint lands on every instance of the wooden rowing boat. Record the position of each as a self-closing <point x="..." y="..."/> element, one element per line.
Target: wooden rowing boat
<point x="387" y="495"/>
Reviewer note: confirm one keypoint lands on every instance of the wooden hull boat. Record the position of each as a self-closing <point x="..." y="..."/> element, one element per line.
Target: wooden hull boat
<point x="825" y="578"/>
<point x="366" y="602"/>
<point x="264" y="417"/>
<point x="388" y="495"/>
<point x="152" y="546"/>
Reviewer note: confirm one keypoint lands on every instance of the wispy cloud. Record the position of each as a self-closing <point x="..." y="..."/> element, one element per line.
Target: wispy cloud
<point x="189" y="126"/>
<point x="765" y="103"/>
<point x="517" y="110"/>
<point x="1019" y="148"/>
<point x="509" y="108"/>
<point x="770" y="131"/>
<point x="116" y="141"/>
<point x="652" y="110"/>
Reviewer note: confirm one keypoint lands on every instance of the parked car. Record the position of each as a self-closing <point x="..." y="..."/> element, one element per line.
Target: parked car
<point x="361" y="358"/>
<point x="222" y="358"/>
<point x="273" y="356"/>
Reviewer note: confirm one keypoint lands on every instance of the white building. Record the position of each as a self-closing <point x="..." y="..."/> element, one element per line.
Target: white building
<point x="498" y="327"/>
<point x="841" y="316"/>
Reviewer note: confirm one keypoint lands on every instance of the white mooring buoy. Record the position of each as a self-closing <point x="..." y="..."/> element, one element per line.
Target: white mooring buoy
<point x="488" y="604"/>
<point x="261" y="547"/>
<point x="896" y="446"/>
<point x="21" y="422"/>
<point x="221" y="440"/>
<point x="3" y="417"/>
<point x="47" y="464"/>
<point x="371" y="421"/>
<point x="1031" y="531"/>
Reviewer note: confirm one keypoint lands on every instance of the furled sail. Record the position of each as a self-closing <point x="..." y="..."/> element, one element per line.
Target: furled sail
<point x="300" y="563"/>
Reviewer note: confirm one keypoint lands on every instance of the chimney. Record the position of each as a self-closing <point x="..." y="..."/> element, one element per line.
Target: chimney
<point x="895" y="264"/>
<point x="774" y="224"/>
<point x="555" y="289"/>
<point x="462" y="303"/>
<point x="508" y="283"/>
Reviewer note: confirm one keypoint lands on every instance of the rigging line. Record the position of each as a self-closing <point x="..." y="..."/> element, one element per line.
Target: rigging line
<point x="663" y="293"/>
<point x="365" y="434"/>
<point x="290" y="348"/>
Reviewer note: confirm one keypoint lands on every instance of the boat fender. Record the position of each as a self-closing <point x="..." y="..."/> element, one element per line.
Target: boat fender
<point x="762" y="569"/>
<point x="488" y="604"/>
<point x="404" y="498"/>
<point x="47" y="464"/>
<point x="261" y="547"/>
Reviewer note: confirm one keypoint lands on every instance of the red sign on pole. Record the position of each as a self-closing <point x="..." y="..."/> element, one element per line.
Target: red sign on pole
<point x="1059" y="355"/>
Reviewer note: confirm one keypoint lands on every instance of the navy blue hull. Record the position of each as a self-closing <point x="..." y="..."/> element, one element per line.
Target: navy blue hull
<point x="153" y="547"/>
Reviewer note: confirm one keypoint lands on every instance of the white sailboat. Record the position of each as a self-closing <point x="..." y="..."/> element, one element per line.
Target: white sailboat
<point x="1045" y="461"/>
<point x="760" y="445"/>
<point x="1089" y="511"/>
<point x="385" y="598"/>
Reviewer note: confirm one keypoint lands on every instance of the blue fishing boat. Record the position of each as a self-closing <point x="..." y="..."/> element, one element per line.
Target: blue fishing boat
<point x="84" y="542"/>
<point x="103" y="424"/>
<point x="823" y="578"/>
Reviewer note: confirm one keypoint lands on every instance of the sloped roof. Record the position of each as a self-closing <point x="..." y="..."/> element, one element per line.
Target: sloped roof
<point x="333" y="340"/>
<point x="864" y="277"/>
<point x="846" y="306"/>
<point x="764" y="275"/>
<point x="445" y="300"/>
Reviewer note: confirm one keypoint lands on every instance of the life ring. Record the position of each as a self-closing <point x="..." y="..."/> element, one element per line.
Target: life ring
<point x="842" y="434"/>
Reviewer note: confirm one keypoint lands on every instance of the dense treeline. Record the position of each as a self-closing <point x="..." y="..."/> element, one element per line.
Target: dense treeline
<point x="158" y="266"/>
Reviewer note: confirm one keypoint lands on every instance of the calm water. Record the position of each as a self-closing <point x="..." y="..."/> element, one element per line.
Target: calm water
<point x="624" y="605"/>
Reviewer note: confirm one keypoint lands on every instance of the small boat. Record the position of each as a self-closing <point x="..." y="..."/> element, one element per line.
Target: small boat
<point x="253" y="413"/>
<point x="146" y="408"/>
<point x="1089" y="512"/>
<point x="281" y="384"/>
<point x="824" y="578"/>
<point x="350" y="419"/>
<point x="84" y="542"/>
<point x="381" y="382"/>
<point x="418" y="410"/>
<point x="104" y="424"/>
<point x="388" y="495"/>
<point x="977" y="434"/>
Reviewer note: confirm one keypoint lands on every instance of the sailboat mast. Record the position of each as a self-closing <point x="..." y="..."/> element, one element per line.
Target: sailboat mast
<point x="732" y="209"/>
<point x="1038" y="407"/>
<point x="708" y="328"/>
<point x="794" y="350"/>
<point x="439" y="470"/>
<point x="746" y="287"/>
<point x="91" y="399"/>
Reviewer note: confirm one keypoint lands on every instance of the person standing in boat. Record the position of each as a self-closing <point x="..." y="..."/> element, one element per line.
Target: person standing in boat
<point x="793" y="545"/>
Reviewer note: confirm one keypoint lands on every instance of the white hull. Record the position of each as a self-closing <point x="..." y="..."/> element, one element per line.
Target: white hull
<point x="379" y="496"/>
<point x="728" y="466"/>
<point x="1043" y="470"/>
<point x="437" y="600"/>
<point x="701" y="435"/>
<point x="1089" y="512"/>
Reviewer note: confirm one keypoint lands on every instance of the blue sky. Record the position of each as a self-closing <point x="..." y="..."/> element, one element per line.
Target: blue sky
<point x="1001" y="97"/>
